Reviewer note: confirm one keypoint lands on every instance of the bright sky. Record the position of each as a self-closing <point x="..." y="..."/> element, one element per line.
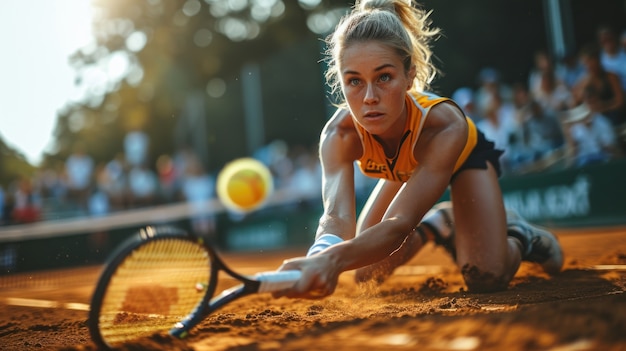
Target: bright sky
<point x="36" y="39"/>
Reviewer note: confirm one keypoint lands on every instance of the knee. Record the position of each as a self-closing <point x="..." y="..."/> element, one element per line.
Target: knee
<point x="480" y="280"/>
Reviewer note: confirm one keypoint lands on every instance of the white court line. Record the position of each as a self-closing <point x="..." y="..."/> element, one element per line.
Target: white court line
<point x="433" y="269"/>
<point x="18" y="301"/>
<point x="609" y="267"/>
<point x="420" y="270"/>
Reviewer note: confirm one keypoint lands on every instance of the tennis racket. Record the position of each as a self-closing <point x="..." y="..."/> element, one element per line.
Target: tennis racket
<point x="163" y="280"/>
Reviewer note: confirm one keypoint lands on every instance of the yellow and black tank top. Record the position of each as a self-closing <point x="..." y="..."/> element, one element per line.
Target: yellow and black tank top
<point x="374" y="162"/>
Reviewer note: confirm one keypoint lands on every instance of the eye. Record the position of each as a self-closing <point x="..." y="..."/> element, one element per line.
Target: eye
<point x="385" y="77"/>
<point x="354" y="81"/>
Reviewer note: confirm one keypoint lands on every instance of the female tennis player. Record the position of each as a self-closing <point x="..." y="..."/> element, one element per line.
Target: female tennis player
<point x="418" y="144"/>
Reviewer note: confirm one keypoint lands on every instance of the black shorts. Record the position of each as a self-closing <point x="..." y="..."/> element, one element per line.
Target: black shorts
<point x="484" y="151"/>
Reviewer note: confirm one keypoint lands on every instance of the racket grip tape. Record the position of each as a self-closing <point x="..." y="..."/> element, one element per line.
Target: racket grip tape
<point x="277" y="280"/>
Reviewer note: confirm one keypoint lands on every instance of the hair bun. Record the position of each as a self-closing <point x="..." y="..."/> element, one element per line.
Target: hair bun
<point x="387" y="5"/>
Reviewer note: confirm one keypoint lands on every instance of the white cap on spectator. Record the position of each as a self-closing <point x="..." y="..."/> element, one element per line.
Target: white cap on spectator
<point x="576" y="114"/>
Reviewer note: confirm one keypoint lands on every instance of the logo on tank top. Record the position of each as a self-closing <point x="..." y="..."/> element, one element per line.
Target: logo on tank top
<point x="381" y="170"/>
<point x="374" y="167"/>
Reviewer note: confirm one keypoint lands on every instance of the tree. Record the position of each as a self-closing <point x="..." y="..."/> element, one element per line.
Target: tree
<point x="150" y="57"/>
<point x="13" y="165"/>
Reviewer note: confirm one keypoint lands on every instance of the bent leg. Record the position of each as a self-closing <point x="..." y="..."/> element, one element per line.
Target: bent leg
<point x="487" y="256"/>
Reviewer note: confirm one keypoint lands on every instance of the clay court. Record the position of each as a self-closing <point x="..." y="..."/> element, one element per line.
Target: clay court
<point x="424" y="306"/>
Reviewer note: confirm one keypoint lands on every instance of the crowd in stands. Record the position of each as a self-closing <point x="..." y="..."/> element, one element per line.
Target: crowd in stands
<point x="569" y="112"/>
<point x="83" y="187"/>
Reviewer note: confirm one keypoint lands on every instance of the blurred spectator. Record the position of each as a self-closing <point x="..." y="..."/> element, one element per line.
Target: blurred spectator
<point x="27" y="205"/>
<point x="490" y="86"/>
<point x="112" y="180"/>
<point x="306" y="180"/>
<point x="542" y="64"/>
<point x="464" y="97"/>
<point x="275" y="156"/>
<point x="136" y="145"/>
<point x="552" y="94"/>
<point x="499" y="126"/>
<point x="99" y="199"/>
<point x="498" y="122"/>
<point x="612" y="58"/>
<point x="590" y="136"/>
<point x="2" y="197"/>
<point x="542" y="132"/>
<point x="570" y="70"/>
<point x="143" y="186"/>
<point x="79" y="170"/>
<point x="601" y="84"/>
<point x="622" y="41"/>
<point x="546" y="86"/>
<point x="519" y="149"/>
<point x="51" y="186"/>
<point x="7" y="207"/>
<point x="521" y="102"/>
<point x="542" y="136"/>
<point x="197" y="188"/>
<point x="168" y="177"/>
<point x="98" y="204"/>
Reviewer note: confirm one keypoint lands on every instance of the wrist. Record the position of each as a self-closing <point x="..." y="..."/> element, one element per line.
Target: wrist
<point x="322" y="243"/>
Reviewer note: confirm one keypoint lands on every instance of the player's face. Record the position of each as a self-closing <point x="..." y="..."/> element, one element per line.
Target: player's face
<point x="374" y="84"/>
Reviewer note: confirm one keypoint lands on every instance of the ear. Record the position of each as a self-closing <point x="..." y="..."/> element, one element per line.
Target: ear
<point x="411" y="76"/>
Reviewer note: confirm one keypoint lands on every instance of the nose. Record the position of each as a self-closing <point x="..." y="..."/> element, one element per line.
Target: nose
<point x="371" y="97"/>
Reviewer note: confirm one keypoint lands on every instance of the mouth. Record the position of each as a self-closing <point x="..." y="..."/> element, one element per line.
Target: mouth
<point x="373" y="114"/>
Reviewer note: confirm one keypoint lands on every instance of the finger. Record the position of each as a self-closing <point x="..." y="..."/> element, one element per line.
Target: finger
<point x="302" y="292"/>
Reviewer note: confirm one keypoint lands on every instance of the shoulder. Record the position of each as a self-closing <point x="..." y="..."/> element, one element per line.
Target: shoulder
<point x="340" y="136"/>
<point x="445" y="113"/>
<point x="437" y="106"/>
<point x="339" y="124"/>
<point x="445" y="120"/>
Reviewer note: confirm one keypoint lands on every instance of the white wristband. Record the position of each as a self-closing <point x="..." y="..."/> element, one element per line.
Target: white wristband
<point x="322" y="243"/>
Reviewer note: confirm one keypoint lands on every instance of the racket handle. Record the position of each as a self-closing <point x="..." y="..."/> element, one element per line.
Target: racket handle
<point x="277" y="280"/>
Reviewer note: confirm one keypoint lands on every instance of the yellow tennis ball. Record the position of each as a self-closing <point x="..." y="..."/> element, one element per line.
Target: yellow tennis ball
<point x="244" y="184"/>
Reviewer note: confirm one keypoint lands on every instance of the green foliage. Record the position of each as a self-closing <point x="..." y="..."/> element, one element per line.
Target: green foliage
<point x="13" y="166"/>
<point x="176" y="62"/>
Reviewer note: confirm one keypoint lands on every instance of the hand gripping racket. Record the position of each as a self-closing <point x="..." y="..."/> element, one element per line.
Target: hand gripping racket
<point x="163" y="280"/>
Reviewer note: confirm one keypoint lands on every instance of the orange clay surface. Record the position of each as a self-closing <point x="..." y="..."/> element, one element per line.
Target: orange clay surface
<point x="423" y="306"/>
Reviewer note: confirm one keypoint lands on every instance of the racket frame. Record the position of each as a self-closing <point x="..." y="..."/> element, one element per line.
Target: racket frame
<point x="207" y="305"/>
<point x="144" y="236"/>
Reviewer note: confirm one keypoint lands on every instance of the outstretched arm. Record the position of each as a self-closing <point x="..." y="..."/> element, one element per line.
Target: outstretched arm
<point x="442" y="141"/>
<point x="339" y="148"/>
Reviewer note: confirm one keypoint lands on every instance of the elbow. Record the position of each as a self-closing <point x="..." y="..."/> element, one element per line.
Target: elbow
<point x="400" y="227"/>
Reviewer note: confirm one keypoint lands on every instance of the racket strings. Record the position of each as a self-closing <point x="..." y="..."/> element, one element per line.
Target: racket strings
<point x="155" y="287"/>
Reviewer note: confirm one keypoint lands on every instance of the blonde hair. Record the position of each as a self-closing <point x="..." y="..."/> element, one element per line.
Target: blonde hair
<point x="400" y="24"/>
